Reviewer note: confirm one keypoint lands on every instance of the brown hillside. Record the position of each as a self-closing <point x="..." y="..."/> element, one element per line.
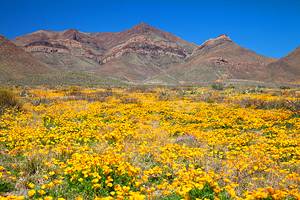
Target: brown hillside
<point x="15" y="63"/>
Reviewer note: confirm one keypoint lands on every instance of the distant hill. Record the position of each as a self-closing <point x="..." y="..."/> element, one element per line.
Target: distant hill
<point x="16" y="64"/>
<point x="140" y="55"/>
<point x="219" y="59"/>
<point x="286" y="68"/>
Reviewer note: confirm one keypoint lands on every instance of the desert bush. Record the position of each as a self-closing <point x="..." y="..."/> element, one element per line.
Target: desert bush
<point x="258" y="89"/>
<point x="139" y="89"/>
<point x="24" y="93"/>
<point x="164" y="96"/>
<point x="108" y="92"/>
<point x="209" y="98"/>
<point x="33" y="165"/>
<point x="294" y="105"/>
<point x="74" y="91"/>
<point x="276" y="104"/>
<point x="284" y="87"/>
<point x="8" y="100"/>
<point x="217" y="86"/>
<point x="230" y="86"/>
<point x="129" y="100"/>
<point x="94" y="96"/>
<point x="181" y="93"/>
<point x="41" y="100"/>
<point x="99" y="95"/>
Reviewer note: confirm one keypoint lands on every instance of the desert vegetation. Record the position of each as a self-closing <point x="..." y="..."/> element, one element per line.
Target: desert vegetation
<point x="215" y="142"/>
<point x="8" y="100"/>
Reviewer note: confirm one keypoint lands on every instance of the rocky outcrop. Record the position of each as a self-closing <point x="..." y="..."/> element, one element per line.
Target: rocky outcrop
<point x="158" y="47"/>
<point x="211" y="44"/>
<point x="46" y="47"/>
<point x="145" y="46"/>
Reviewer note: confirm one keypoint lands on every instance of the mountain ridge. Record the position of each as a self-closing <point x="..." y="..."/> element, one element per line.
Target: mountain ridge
<point x="144" y="54"/>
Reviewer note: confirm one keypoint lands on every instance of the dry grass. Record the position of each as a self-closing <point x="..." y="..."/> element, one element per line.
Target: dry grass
<point x="8" y="100"/>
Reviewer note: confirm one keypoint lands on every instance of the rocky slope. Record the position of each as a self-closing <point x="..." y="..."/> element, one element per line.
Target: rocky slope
<point x="219" y="59"/>
<point x="286" y="68"/>
<point x="16" y="64"/>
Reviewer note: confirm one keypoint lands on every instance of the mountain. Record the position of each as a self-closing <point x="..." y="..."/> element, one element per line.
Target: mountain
<point x="16" y="64"/>
<point x="140" y="55"/>
<point x="218" y="59"/>
<point x="68" y="50"/>
<point x="286" y="68"/>
<point x="132" y="55"/>
<point x="142" y="52"/>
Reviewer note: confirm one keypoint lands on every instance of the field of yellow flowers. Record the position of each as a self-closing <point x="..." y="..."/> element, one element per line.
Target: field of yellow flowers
<point x="156" y="143"/>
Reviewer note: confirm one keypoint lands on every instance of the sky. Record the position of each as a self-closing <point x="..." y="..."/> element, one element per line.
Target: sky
<point x="269" y="27"/>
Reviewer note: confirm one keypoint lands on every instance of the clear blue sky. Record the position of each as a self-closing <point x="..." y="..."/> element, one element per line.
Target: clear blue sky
<point x="269" y="27"/>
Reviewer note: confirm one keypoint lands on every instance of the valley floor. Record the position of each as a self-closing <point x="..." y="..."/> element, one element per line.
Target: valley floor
<point x="151" y="143"/>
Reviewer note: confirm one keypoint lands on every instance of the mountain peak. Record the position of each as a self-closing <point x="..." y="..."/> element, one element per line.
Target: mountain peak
<point x="222" y="36"/>
<point x="143" y="27"/>
<point x="71" y="31"/>
<point x="72" y="34"/>
<point x="221" y="39"/>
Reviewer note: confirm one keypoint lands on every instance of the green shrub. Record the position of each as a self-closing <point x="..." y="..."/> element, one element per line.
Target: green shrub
<point x="84" y="187"/>
<point x="217" y="86"/>
<point x="224" y="195"/>
<point x="6" y="186"/>
<point x="284" y="87"/>
<point x="206" y="192"/>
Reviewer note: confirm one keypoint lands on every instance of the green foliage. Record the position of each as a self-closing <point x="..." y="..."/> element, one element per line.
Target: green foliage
<point x="6" y="186"/>
<point x="224" y="195"/>
<point x="268" y="198"/>
<point x="49" y="122"/>
<point x="284" y="87"/>
<point x="217" y="86"/>
<point x="206" y="192"/>
<point x="86" y="187"/>
<point x="290" y="198"/>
